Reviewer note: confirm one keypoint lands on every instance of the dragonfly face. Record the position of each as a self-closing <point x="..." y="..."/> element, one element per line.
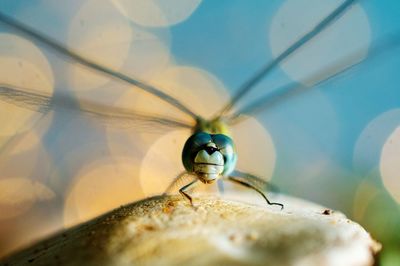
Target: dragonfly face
<point x="209" y="156"/>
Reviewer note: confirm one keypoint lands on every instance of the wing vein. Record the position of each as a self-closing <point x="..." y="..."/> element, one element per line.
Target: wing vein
<point x="250" y="83"/>
<point x="40" y="102"/>
<point x="384" y="45"/>
<point x="58" y="47"/>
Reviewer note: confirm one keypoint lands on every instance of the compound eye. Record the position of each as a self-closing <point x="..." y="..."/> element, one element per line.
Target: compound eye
<point x="199" y="139"/>
<point x="192" y="146"/>
<point x="223" y="142"/>
<point x="227" y="149"/>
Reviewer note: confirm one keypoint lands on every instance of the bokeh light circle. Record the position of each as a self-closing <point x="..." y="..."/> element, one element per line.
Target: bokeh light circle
<point x="157" y="13"/>
<point x="338" y="45"/>
<point x="148" y="56"/>
<point x="255" y="148"/>
<point x="100" y="33"/>
<point x="149" y="53"/>
<point x="369" y="145"/>
<point x="23" y="67"/>
<point x="17" y="195"/>
<point x="100" y="187"/>
<point x="23" y="154"/>
<point x="365" y="194"/>
<point x="162" y="162"/>
<point x="390" y="164"/>
<point x="378" y="147"/>
<point x="196" y="88"/>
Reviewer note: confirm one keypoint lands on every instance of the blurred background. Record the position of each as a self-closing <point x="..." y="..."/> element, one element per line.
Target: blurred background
<point x="335" y="142"/>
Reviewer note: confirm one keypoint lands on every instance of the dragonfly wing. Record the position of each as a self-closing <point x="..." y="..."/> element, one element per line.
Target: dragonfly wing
<point x="37" y="102"/>
<point x="315" y="31"/>
<point x="118" y="117"/>
<point x="380" y="51"/>
<point x="32" y="33"/>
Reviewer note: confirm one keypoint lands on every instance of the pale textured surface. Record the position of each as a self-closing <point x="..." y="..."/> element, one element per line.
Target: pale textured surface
<point x="168" y="231"/>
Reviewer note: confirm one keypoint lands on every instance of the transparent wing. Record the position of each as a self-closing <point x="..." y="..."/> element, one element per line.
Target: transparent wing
<point x="32" y="33"/>
<point x="118" y="117"/>
<point x="303" y="40"/>
<point x="380" y="50"/>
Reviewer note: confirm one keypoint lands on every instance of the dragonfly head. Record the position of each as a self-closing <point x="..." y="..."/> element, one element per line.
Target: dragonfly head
<point x="209" y="156"/>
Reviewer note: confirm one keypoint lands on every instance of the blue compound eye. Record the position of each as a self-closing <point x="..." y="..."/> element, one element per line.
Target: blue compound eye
<point x="192" y="146"/>
<point x="201" y="146"/>
<point x="227" y="149"/>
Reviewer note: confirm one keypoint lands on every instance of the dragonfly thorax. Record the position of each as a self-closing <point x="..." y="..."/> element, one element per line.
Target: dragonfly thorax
<point x="209" y="156"/>
<point x="214" y="126"/>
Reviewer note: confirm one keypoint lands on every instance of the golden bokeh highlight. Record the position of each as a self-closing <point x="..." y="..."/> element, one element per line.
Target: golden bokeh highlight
<point x="25" y="150"/>
<point x="375" y="209"/>
<point x="116" y="44"/>
<point x="163" y="162"/>
<point x="23" y="66"/>
<point x="364" y="195"/>
<point x="22" y="143"/>
<point x="149" y="53"/>
<point x="100" y="33"/>
<point x="157" y="13"/>
<point x="22" y="187"/>
<point x="101" y="187"/>
<point x="194" y="87"/>
<point x="204" y="94"/>
<point x="148" y="56"/>
<point x="336" y="48"/>
<point x="18" y="195"/>
<point x="390" y="164"/>
<point x="369" y="145"/>
<point x="256" y="157"/>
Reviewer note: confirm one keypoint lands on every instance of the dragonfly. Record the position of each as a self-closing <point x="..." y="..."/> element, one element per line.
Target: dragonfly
<point x="209" y="154"/>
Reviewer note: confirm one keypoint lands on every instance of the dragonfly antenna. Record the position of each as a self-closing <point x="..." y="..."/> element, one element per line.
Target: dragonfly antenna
<point x="250" y="83"/>
<point x="58" y="47"/>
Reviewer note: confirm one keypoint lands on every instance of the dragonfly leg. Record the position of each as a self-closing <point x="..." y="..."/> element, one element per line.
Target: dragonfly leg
<point x="262" y="184"/>
<point x="187" y="187"/>
<point x="244" y="183"/>
<point x="179" y="179"/>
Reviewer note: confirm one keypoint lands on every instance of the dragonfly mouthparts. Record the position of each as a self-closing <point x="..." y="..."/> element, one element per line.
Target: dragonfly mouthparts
<point x="214" y="158"/>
